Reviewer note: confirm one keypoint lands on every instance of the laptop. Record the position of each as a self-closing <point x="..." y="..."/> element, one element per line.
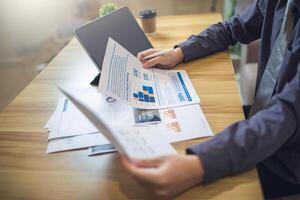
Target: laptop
<point x="119" y="25"/>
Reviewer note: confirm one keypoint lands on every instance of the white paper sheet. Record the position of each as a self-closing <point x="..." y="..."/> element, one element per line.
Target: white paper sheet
<point x="135" y="142"/>
<point x="76" y="142"/>
<point x="72" y="122"/>
<point x="54" y="115"/>
<point x="184" y="123"/>
<point x="124" y="78"/>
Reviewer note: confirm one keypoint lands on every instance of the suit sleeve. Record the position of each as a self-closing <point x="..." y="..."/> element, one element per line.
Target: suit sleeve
<point x="242" y="28"/>
<point x="245" y="143"/>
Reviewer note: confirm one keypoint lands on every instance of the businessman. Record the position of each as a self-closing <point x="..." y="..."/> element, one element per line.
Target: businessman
<point x="270" y="137"/>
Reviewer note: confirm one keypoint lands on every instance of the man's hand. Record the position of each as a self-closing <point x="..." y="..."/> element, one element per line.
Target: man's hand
<point x="167" y="60"/>
<point x="168" y="175"/>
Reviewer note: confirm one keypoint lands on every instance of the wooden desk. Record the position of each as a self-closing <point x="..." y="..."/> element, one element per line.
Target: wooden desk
<point x="26" y="172"/>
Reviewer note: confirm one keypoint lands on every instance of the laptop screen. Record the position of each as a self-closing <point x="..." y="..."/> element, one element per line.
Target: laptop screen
<point x="119" y="25"/>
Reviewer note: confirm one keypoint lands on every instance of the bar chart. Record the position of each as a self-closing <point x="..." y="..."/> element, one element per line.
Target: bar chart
<point x="146" y="95"/>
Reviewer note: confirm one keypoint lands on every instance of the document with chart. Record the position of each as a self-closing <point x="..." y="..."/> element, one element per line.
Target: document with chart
<point x="124" y="78"/>
<point x="135" y="142"/>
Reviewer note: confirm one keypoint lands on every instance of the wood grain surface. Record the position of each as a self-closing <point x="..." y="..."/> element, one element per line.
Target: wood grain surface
<point x="27" y="172"/>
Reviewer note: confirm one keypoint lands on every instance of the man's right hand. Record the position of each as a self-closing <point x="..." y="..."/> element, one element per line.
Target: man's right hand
<point x="166" y="61"/>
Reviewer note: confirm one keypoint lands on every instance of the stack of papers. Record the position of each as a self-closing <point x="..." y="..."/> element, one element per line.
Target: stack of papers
<point x="69" y="129"/>
<point x="162" y="103"/>
<point x="133" y="141"/>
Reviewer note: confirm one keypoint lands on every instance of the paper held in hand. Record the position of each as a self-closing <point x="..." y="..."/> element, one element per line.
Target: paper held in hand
<point x="135" y="142"/>
<point x="124" y="78"/>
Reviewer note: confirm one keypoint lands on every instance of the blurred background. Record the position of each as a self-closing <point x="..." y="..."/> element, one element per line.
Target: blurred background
<point x="34" y="31"/>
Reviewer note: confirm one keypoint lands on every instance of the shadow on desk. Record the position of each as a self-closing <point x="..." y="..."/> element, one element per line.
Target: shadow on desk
<point x="160" y="36"/>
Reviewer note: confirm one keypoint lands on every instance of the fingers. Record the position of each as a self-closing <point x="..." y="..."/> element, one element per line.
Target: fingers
<point x="159" y="66"/>
<point x="152" y="62"/>
<point x="145" y="53"/>
<point x="148" y="163"/>
<point x="142" y="174"/>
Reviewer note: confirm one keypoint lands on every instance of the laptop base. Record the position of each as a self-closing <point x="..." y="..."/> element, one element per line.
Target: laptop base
<point x="96" y="80"/>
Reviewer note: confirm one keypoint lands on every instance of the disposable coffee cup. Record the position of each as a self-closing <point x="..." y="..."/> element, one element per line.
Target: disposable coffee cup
<point x="148" y="19"/>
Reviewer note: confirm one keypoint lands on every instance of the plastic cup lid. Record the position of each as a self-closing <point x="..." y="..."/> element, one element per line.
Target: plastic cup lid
<point x="147" y="14"/>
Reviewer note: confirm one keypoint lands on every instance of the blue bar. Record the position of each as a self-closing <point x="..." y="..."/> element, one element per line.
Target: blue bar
<point x="65" y="105"/>
<point x="146" y="97"/>
<point x="152" y="99"/>
<point x="150" y="90"/>
<point x="181" y="98"/>
<point x="145" y="88"/>
<point x="135" y="95"/>
<point x="141" y="95"/>
<point x="184" y="87"/>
